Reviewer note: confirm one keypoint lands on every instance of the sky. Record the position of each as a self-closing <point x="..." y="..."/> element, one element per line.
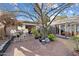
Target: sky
<point x="74" y="9"/>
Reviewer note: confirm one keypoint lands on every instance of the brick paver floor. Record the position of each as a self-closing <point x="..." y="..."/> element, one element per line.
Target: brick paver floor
<point x="31" y="47"/>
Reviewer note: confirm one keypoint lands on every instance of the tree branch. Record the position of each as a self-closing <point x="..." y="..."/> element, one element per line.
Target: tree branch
<point x="25" y="13"/>
<point x="57" y="14"/>
<point x="58" y="9"/>
<point x="53" y="9"/>
<point x="27" y="16"/>
<point x="36" y="5"/>
<point x="37" y="12"/>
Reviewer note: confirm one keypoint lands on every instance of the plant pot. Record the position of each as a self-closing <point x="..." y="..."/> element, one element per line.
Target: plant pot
<point x="29" y="32"/>
<point x="42" y="41"/>
<point x="36" y="37"/>
<point x="18" y="35"/>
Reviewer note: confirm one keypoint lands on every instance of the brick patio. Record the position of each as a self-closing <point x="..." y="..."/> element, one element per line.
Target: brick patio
<point x="28" y="46"/>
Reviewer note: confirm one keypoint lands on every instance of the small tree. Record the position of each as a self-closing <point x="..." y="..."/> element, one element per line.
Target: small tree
<point x="8" y="19"/>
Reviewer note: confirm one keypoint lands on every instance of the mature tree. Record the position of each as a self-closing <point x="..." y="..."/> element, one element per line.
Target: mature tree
<point x="8" y="19"/>
<point x="44" y="11"/>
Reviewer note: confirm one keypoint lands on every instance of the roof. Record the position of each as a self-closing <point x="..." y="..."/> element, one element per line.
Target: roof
<point x="29" y="24"/>
<point x="66" y="20"/>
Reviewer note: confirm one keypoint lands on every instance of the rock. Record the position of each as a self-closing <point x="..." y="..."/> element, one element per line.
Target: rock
<point x="43" y="41"/>
<point x="47" y="40"/>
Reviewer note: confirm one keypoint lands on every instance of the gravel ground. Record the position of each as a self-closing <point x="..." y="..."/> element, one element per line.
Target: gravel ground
<point x="28" y="46"/>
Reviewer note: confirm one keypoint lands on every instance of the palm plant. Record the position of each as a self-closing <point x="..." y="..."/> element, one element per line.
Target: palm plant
<point x="44" y="17"/>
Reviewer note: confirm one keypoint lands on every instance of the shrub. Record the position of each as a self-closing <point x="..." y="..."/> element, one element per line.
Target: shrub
<point x="52" y="37"/>
<point x="35" y="32"/>
<point x="76" y="39"/>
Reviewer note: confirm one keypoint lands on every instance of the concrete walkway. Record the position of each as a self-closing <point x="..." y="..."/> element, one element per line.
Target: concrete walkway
<point x="28" y="46"/>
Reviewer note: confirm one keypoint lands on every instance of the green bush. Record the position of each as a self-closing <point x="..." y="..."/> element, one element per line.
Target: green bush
<point x="76" y="39"/>
<point x="35" y="32"/>
<point x="52" y="37"/>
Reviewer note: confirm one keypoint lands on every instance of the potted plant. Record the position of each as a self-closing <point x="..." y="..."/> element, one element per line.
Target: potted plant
<point x="76" y="39"/>
<point x="35" y="33"/>
<point x="52" y="37"/>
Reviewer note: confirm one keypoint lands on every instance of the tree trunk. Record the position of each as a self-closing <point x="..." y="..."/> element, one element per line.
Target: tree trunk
<point x="5" y="30"/>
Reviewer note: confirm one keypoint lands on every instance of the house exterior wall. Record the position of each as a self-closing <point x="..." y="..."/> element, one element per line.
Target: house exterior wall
<point x="66" y="27"/>
<point x="78" y="29"/>
<point x="66" y="30"/>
